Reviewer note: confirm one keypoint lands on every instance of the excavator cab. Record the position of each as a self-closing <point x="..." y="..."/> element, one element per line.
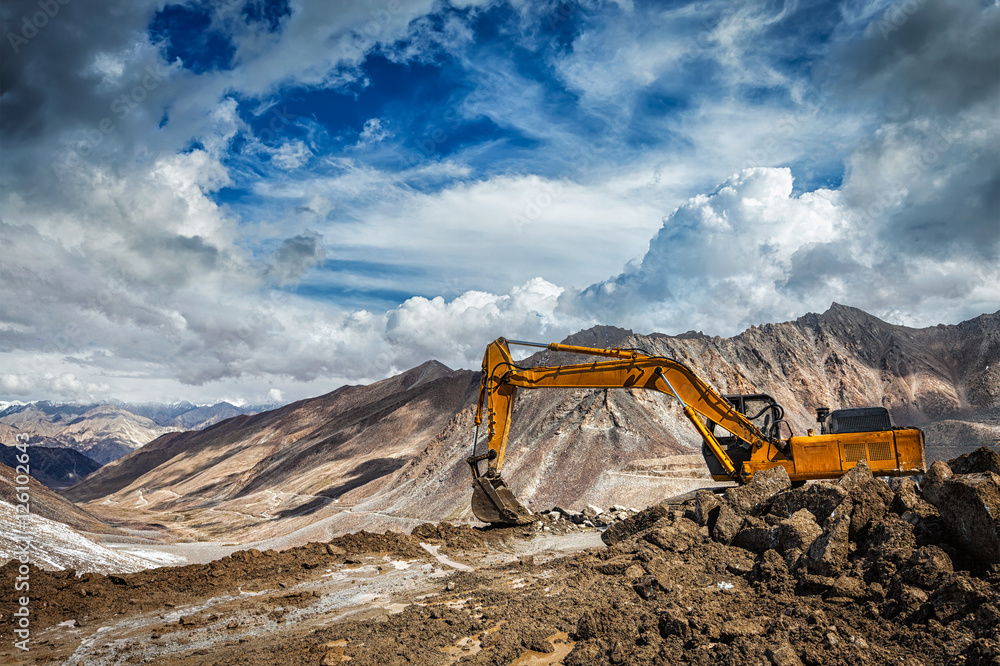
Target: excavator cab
<point x="760" y="409"/>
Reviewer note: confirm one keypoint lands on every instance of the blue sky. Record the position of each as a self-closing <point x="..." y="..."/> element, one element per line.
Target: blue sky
<point x="250" y="200"/>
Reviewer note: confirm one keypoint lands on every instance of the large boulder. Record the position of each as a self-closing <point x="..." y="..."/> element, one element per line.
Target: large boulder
<point x="727" y="524"/>
<point x="677" y="536"/>
<point x="960" y="598"/>
<point x="820" y="498"/>
<point x="772" y="570"/>
<point x="979" y="461"/>
<point x="871" y="497"/>
<point x="934" y="479"/>
<point x="914" y="509"/>
<point x="827" y="555"/>
<point x="907" y="494"/>
<point x="737" y="503"/>
<point x="929" y="567"/>
<point x="892" y="540"/>
<point x="706" y="508"/>
<point x="755" y="535"/>
<point x="762" y="487"/>
<point x="640" y="522"/>
<point x="858" y="475"/>
<point x="888" y="547"/>
<point x="927" y="524"/>
<point x="970" y="509"/>
<point x="798" y="531"/>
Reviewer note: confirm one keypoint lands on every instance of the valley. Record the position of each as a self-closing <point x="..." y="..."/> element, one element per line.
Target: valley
<point x="339" y="526"/>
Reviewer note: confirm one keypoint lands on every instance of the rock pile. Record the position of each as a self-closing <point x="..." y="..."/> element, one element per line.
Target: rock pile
<point x="921" y="555"/>
<point x="591" y="516"/>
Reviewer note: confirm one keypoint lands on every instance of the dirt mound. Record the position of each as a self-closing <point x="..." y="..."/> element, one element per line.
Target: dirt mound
<point x="462" y="537"/>
<point x="849" y="572"/>
<point x="399" y="545"/>
<point x="63" y="595"/>
<point x="969" y="505"/>
<point x="556" y="521"/>
<point x="857" y="571"/>
<point x="981" y="460"/>
<point x="846" y="571"/>
<point x="666" y="592"/>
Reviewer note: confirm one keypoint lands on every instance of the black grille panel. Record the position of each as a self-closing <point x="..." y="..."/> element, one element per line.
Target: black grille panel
<point x="864" y="419"/>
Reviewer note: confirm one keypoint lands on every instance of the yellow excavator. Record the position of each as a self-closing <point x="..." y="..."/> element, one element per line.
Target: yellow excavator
<point x="741" y="433"/>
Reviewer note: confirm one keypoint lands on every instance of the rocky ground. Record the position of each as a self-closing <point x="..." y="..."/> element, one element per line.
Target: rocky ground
<point x="854" y="571"/>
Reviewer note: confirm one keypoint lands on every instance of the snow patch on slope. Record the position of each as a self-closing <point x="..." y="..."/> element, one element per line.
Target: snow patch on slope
<point x="55" y="546"/>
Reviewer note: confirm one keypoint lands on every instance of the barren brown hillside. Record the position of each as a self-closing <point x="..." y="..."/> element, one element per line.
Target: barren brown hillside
<point x="392" y="454"/>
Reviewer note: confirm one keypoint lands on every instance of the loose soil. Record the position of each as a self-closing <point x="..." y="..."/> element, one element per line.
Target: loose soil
<point x="672" y="585"/>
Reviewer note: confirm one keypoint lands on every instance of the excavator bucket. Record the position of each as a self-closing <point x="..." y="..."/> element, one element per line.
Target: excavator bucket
<point x="492" y="502"/>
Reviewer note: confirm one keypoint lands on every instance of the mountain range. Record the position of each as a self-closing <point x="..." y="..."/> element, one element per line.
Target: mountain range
<point x="392" y="454"/>
<point x="106" y="432"/>
<point x="54" y="468"/>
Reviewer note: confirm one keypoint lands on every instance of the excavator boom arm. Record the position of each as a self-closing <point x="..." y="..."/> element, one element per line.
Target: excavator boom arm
<point x="501" y="379"/>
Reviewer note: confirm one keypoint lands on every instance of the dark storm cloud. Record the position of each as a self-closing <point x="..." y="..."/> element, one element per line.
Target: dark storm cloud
<point x="814" y="265"/>
<point x="50" y="83"/>
<point x="930" y="174"/>
<point x="296" y="255"/>
<point x="941" y="59"/>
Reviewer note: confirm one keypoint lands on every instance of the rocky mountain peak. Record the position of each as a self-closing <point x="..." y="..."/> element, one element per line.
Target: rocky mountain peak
<point x="602" y="337"/>
<point x="425" y="372"/>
